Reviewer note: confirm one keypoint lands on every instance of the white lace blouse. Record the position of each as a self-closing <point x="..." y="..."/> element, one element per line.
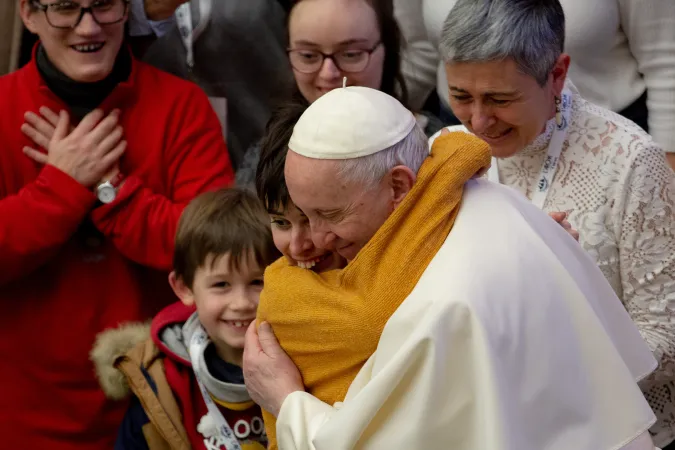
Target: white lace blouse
<point x="619" y="192"/>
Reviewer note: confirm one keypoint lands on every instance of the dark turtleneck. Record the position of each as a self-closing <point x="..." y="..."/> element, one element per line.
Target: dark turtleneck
<point x="81" y="97"/>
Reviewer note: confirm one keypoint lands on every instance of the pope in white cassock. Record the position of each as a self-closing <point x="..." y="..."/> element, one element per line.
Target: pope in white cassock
<point x="465" y="319"/>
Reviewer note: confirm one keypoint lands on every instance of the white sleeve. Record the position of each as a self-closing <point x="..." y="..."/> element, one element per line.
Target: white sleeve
<point x="650" y="28"/>
<point x="394" y="401"/>
<point x="419" y="57"/>
<point x="436" y="382"/>
<point x="647" y="252"/>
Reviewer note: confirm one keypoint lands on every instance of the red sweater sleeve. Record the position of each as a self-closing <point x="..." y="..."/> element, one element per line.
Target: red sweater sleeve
<point x="141" y="223"/>
<point x="38" y="220"/>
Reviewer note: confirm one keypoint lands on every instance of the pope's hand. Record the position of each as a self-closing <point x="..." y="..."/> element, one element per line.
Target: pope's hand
<point x="561" y="218"/>
<point x="270" y="374"/>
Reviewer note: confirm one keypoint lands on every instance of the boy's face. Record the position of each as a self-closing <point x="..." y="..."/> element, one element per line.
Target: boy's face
<point x="226" y="301"/>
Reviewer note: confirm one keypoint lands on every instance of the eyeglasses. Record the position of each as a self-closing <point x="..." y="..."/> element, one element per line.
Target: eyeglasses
<point x="67" y="14"/>
<point x="349" y="60"/>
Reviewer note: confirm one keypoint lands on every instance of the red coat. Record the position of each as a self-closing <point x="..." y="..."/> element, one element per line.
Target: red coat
<point x="58" y="288"/>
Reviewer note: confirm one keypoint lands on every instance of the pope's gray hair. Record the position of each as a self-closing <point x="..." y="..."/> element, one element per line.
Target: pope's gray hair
<point x="531" y="32"/>
<point x="411" y="151"/>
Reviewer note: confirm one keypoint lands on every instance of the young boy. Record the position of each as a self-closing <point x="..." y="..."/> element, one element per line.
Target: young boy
<point x="186" y="378"/>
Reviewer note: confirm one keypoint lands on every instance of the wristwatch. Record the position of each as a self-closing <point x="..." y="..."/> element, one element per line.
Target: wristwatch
<point x="106" y="192"/>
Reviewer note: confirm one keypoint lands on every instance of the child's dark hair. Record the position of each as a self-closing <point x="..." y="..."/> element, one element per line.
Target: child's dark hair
<point x="270" y="183"/>
<point x="216" y="223"/>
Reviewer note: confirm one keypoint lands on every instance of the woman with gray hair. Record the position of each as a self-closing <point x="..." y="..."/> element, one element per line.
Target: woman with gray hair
<point x="623" y="58"/>
<point x="506" y="74"/>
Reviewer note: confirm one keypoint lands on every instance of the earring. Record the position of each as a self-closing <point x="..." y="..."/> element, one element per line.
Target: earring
<point x="558" y="113"/>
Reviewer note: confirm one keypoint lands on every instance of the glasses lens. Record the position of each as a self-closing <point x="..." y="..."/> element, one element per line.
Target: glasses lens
<point x="305" y="61"/>
<point x="352" y="60"/>
<point x="65" y="14"/>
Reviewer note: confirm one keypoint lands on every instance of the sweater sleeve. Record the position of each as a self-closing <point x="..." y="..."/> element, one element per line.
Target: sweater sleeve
<point x="420" y="58"/>
<point x="650" y="28"/>
<point x="647" y="252"/>
<point x="38" y="220"/>
<point x="142" y="223"/>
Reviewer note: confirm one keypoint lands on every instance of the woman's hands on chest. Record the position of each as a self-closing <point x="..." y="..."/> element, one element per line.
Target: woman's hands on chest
<point x="88" y="152"/>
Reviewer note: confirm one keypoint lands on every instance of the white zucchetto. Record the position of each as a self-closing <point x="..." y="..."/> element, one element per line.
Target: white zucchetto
<point x="351" y="122"/>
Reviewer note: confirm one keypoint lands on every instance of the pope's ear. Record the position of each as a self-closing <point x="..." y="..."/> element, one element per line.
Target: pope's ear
<point x="401" y="180"/>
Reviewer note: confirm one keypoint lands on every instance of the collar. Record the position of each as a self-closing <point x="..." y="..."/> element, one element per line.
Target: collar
<point x="541" y="142"/>
<point x="220" y="390"/>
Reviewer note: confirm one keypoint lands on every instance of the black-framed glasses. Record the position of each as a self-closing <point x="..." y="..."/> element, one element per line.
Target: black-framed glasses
<point x="67" y="14"/>
<point x="348" y="60"/>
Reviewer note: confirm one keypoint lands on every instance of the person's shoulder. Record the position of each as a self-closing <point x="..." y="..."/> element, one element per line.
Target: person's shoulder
<point x="496" y="233"/>
<point x="15" y="83"/>
<point x="137" y="344"/>
<point x="499" y="241"/>
<point x="493" y="199"/>
<point x="627" y="141"/>
<point x="129" y="341"/>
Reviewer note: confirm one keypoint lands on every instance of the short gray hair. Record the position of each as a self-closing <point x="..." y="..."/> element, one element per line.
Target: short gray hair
<point x="369" y="170"/>
<point x="531" y="32"/>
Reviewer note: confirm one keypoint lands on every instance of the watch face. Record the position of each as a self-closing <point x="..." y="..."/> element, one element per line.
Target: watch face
<point x="106" y="193"/>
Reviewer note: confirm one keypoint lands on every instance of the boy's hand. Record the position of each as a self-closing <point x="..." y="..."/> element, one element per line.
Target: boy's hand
<point x="270" y="374"/>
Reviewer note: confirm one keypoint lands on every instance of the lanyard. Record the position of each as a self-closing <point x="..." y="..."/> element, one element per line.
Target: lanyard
<point x="187" y="34"/>
<point x="543" y="182"/>
<point x="198" y="343"/>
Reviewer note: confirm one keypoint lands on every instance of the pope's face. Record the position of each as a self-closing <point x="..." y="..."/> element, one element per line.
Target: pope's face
<point x="343" y="216"/>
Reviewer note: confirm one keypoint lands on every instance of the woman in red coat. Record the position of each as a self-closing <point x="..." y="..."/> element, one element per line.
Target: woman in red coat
<point x="87" y="218"/>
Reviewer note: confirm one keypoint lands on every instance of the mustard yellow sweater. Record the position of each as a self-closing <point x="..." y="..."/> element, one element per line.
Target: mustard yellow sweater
<point x="330" y="323"/>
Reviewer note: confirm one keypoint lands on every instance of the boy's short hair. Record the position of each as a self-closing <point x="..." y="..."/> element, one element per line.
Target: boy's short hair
<point x="224" y="221"/>
<point x="270" y="182"/>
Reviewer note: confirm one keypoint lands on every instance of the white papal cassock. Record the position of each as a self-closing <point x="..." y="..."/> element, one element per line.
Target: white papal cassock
<point x="512" y="340"/>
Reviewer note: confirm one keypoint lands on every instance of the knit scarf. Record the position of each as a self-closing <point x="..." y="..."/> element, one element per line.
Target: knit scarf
<point x="330" y="323"/>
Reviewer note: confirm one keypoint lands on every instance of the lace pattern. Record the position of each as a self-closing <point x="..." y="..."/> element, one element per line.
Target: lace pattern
<point x="619" y="192"/>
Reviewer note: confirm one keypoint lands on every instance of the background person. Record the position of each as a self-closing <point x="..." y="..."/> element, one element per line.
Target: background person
<point x="329" y="40"/>
<point x="71" y="264"/>
<point x="623" y="58"/>
<point x="223" y="245"/>
<point x="507" y="78"/>
<point x="234" y="50"/>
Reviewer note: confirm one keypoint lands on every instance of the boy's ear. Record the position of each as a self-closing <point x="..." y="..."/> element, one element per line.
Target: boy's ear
<point x="183" y="292"/>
